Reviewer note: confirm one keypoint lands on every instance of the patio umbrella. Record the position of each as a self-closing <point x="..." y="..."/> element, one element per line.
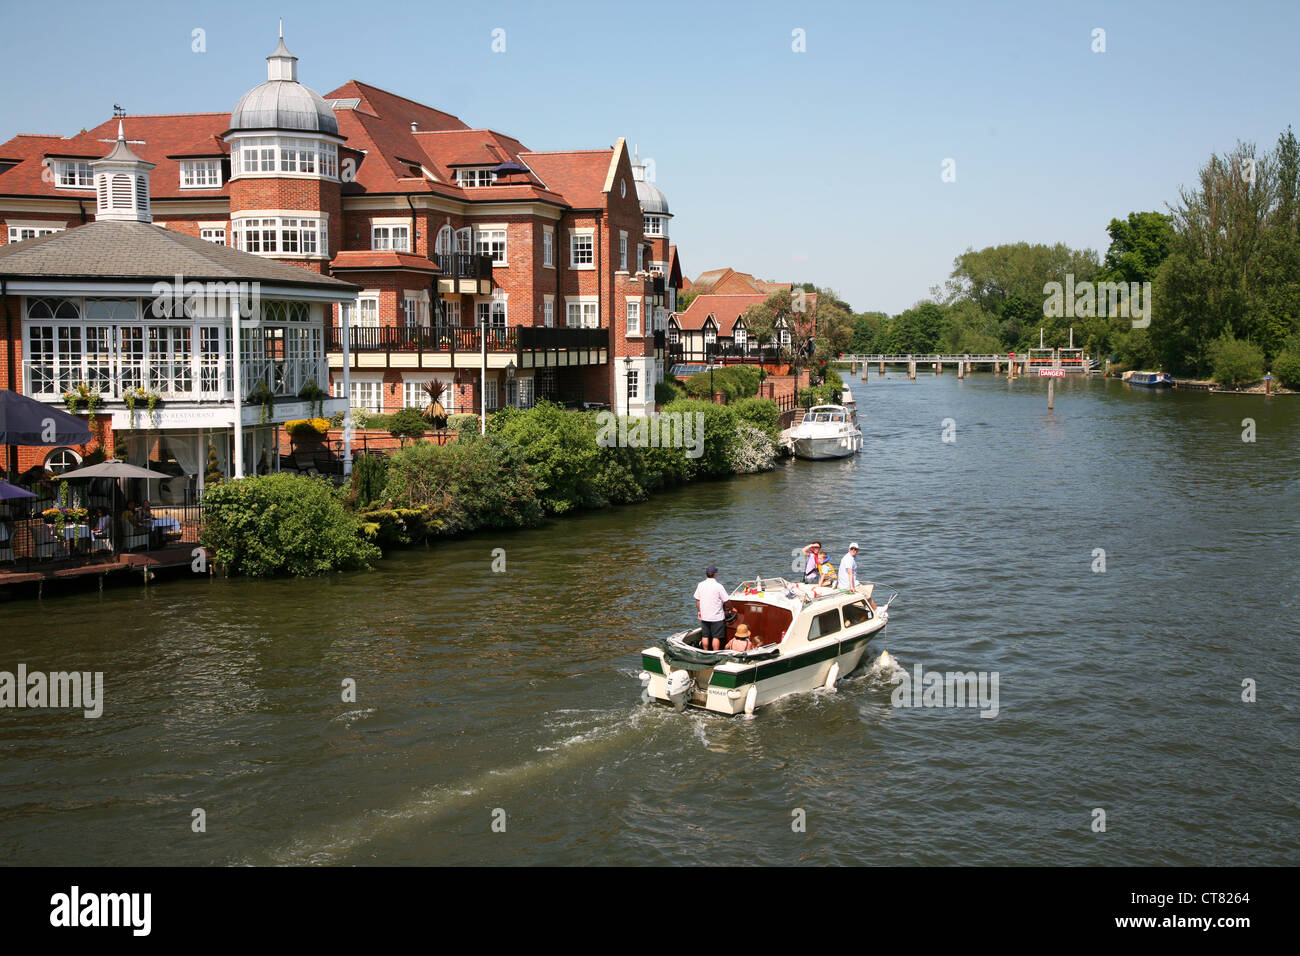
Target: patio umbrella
<point x="112" y="469"/>
<point x="25" y="421"/>
<point x="9" y="492"/>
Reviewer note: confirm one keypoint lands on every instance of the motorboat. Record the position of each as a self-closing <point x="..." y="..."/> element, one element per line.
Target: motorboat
<point x="803" y="637"/>
<point x="1149" y="379"/>
<point x="827" y="431"/>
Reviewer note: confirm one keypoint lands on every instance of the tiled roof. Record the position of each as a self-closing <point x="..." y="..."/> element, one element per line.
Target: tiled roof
<point x="578" y="175"/>
<point x="142" y="251"/>
<point x="160" y="139"/>
<point x="383" y="260"/>
<point x="725" y="309"/>
<point x="730" y="282"/>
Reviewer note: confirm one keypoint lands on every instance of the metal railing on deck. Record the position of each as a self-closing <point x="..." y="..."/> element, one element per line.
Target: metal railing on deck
<point x="31" y="543"/>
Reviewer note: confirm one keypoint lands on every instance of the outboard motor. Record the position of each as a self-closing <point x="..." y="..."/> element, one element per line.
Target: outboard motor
<point x="680" y="683"/>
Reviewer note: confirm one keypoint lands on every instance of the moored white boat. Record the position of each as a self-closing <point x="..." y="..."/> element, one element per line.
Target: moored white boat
<point x="827" y="431"/>
<point x="806" y="637"/>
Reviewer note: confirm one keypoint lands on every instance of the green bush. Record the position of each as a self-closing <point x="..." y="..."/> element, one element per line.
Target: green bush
<point x="407" y="423"/>
<point x="752" y="451"/>
<point x="668" y="391"/>
<point x="719" y="436"/>
<point x="826" y="394"/>
<point x="560" y="449"/>
<point x="761" y="412"/>
<point x="389" y="527"/>
<point x="464" y="422"/>
<point x="282" y="524"/>
<point x="1286" y="368"/>
<point x="734" y="381"/>
<point x="369" y="476"/>
<point x="465" y="485"/>
<point x="1235" y="362"/>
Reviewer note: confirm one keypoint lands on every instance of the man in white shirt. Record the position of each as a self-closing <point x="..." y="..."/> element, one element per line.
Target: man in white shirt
<point x="848" y="575"/>
<point x="709" y="599"/>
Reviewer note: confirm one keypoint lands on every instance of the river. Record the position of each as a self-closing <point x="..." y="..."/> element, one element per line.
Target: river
<point x="497" y="715"/>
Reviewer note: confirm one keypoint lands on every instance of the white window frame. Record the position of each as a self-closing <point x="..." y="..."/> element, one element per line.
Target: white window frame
<point x="390" y="236"/>
<point x="622" y="251"/>
<point x="200" y="174"/>
<point x="82" y="176"/>
<point x="587" y="310"/>
<point x="589" y="241"/>
<point x="34" y="230"/>
<point x="548" y="247"/>
<point x="635" y="310"/>
<point x="283" y="157"/>
<point x="548" y="311"/>
<point x="475" y="176"/>
<point x="485" y="241"/>
<point x="208" y="231"/>
<point x="283" y="229"/>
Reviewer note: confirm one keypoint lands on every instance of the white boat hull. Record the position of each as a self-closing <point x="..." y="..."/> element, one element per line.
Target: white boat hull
<point x="818" y="449"/>
<point x="724" y="688"/>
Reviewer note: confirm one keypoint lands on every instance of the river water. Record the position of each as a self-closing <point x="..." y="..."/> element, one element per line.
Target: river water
<point x="497" y="715"/>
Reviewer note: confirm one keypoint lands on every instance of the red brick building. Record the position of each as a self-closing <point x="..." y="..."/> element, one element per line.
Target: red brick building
<point x="557" y="264"/>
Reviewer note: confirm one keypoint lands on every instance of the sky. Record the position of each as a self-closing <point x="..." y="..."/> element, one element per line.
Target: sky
<point x="799" y="141"/>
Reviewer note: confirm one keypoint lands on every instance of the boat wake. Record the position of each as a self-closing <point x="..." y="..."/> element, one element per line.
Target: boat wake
<point x="334" y="844"/>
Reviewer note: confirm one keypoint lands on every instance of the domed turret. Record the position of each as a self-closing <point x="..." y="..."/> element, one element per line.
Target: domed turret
<point x="653" y="201"/>
<point x="282" y="102"/>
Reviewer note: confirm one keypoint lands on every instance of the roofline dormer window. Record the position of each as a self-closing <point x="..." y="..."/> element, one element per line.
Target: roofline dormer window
<point x="72" y="173"/>
<point x="474" y="176"/>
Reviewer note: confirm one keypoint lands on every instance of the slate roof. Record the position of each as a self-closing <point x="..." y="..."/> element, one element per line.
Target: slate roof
<point x="138" y="251"/>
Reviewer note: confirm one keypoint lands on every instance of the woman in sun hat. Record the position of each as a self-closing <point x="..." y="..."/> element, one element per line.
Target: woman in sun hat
<point x="742" y="641"/>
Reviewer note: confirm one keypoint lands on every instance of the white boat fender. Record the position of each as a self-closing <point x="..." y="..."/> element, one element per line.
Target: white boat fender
<point x="833" y="676"/>
<point x="751" y="698"/>
<point x="679" y="685"/>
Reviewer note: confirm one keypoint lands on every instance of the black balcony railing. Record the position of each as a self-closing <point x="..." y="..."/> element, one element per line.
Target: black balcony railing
<point x="403" y="338"/>
<point x="540" y="338"/>
<point x="722" y="355"/>
<point x="463" y="265"/>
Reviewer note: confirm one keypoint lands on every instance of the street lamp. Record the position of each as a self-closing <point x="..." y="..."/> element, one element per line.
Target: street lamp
<point x="627" y="386"/>
<point x="510" y="377"/>
<point x="482" y="418"/>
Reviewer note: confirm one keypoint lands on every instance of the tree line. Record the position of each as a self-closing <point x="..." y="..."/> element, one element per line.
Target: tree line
<point x="1209" y="288"/>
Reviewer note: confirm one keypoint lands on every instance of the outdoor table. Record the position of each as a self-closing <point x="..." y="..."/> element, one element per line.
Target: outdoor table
<point x="75" y="534"/>
<point x="164" y="524"/>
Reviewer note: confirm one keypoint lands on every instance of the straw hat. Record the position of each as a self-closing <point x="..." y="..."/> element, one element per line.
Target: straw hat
<point x="742" y="630"/>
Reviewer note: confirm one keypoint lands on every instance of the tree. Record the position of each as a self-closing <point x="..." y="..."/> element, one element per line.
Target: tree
<point x="407" y="423"/>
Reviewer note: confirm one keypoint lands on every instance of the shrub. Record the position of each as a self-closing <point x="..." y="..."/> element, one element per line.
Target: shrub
<point x="1286" y="367"/>
<point x="560" y="449"/>
<point x="734" y="381"/>
<point x="463" y="423"/>
<point x="388" y="527"/>
<point x="407" y="423"/>
<point x="1235" y="362"/>
<point x="761" y="412"/>
<point x="282" y="524"/>
<point x="464" y="485"/>
<point x="826" y="394"/>
<point x="369" y="476"/>
<point x="308" y="429"/>
<point x="719" y="435"/>
<point x="752" y="451"/>
<point x="668" y="391"/>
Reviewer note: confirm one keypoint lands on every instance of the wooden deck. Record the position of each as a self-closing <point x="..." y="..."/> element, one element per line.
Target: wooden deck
<point x="142" y="563"/>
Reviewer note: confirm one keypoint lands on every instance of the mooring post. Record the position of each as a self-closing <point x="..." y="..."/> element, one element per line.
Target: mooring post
<point x="961" y="369"/>
<point x="1051" y="392"/>
<point x="882" y="367"/>
<point x="911" y="371"/>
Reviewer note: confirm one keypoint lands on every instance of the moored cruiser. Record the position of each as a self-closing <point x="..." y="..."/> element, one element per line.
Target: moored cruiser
<point x="827" y="431"/>
<point x="803" y="637"/>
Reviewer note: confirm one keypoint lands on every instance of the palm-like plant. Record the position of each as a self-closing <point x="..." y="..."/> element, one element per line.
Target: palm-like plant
<point x="434" y="412"/>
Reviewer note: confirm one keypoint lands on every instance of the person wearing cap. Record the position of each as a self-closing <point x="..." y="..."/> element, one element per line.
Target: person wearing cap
<point x="849" y="568"/>
<point x="742" y="641"/>
<point x="710" y="596"/>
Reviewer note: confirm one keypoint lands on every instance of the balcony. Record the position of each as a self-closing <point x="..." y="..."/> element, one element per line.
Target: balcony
<point x="464" y="273"/>
<point x="681" y="354"/>
<point x="420" y="339"/>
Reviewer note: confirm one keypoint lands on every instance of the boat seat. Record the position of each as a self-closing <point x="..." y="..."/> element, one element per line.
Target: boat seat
<point x="767" y="624"/>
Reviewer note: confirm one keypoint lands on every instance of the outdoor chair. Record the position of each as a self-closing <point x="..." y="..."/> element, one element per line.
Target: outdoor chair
<point x="133" y="537"/>
<point x="47" y="544"/>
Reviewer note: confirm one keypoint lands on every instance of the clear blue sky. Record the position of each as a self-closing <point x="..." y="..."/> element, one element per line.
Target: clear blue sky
<point x="820" y="166"/>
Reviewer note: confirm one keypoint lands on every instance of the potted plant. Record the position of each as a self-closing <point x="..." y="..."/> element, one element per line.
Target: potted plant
<point x="135" y="396"/>
<point x="311" y="392"/>
<point x="261" y="395"/>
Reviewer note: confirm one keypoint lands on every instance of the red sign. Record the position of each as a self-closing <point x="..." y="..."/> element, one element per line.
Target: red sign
<point x="1052" y="372"/>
